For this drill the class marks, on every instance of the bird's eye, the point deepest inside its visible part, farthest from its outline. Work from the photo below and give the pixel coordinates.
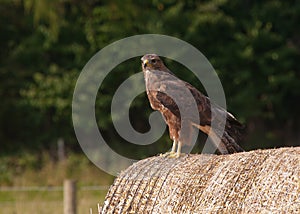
(153, 61)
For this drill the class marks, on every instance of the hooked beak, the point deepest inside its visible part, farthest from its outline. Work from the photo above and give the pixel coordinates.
(145, 63)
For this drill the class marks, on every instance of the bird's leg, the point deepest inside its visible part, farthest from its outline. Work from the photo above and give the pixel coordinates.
(179, 149)
(176, 154)
(173, 151)
(174, 146)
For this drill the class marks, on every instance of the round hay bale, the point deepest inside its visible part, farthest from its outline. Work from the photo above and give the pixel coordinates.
(258, 181)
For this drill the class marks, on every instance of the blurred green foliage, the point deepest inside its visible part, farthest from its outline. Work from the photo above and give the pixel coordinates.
(253, 45)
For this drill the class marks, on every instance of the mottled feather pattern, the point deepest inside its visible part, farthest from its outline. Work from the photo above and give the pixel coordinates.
(162, 84)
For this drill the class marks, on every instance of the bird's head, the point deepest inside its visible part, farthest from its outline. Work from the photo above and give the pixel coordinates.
(152, 62)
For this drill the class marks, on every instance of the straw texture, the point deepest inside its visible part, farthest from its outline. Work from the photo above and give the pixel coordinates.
(261, 181)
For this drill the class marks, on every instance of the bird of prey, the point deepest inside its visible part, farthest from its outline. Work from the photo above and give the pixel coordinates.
(163, 88)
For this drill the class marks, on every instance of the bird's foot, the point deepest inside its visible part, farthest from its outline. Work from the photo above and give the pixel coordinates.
(167, 154)
(171, 155)
(174, 155)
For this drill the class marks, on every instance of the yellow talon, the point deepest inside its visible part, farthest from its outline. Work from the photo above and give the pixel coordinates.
(170, 155)
(167, 154)
(174, 155)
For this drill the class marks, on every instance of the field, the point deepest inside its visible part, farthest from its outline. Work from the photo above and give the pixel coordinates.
(47, 202)
(28, 187)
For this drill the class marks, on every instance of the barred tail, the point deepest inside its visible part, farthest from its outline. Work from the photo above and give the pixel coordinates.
(230, 144)
(225, 145)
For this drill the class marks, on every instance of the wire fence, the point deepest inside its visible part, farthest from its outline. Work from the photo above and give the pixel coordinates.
(48, 199)
(49, 188)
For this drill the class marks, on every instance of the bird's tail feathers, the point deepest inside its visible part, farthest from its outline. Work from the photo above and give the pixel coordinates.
(225, 145)
(230, 144)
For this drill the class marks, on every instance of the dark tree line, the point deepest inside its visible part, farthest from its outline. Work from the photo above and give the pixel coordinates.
(253, 45)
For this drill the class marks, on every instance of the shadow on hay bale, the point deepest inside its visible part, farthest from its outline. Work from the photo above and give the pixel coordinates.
(249, 182)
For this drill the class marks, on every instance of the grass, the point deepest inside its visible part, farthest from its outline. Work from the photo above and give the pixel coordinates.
(47, 202)
(39, 170)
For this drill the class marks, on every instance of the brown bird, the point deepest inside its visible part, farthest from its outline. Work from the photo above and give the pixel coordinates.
(171, 95)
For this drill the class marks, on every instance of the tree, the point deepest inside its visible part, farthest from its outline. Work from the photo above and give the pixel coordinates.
(254, 47)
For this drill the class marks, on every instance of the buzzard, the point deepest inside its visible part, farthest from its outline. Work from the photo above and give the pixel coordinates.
(163, 88)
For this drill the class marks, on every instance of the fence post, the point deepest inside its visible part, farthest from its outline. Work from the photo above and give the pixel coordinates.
(61, 150)
(69, 197)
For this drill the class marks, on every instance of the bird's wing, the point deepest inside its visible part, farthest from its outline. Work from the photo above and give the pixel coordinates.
(174, 95)
(226, 126)
(205, 107)
(168, 103)
(174, 91)
(226, 131)
(167, 87)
